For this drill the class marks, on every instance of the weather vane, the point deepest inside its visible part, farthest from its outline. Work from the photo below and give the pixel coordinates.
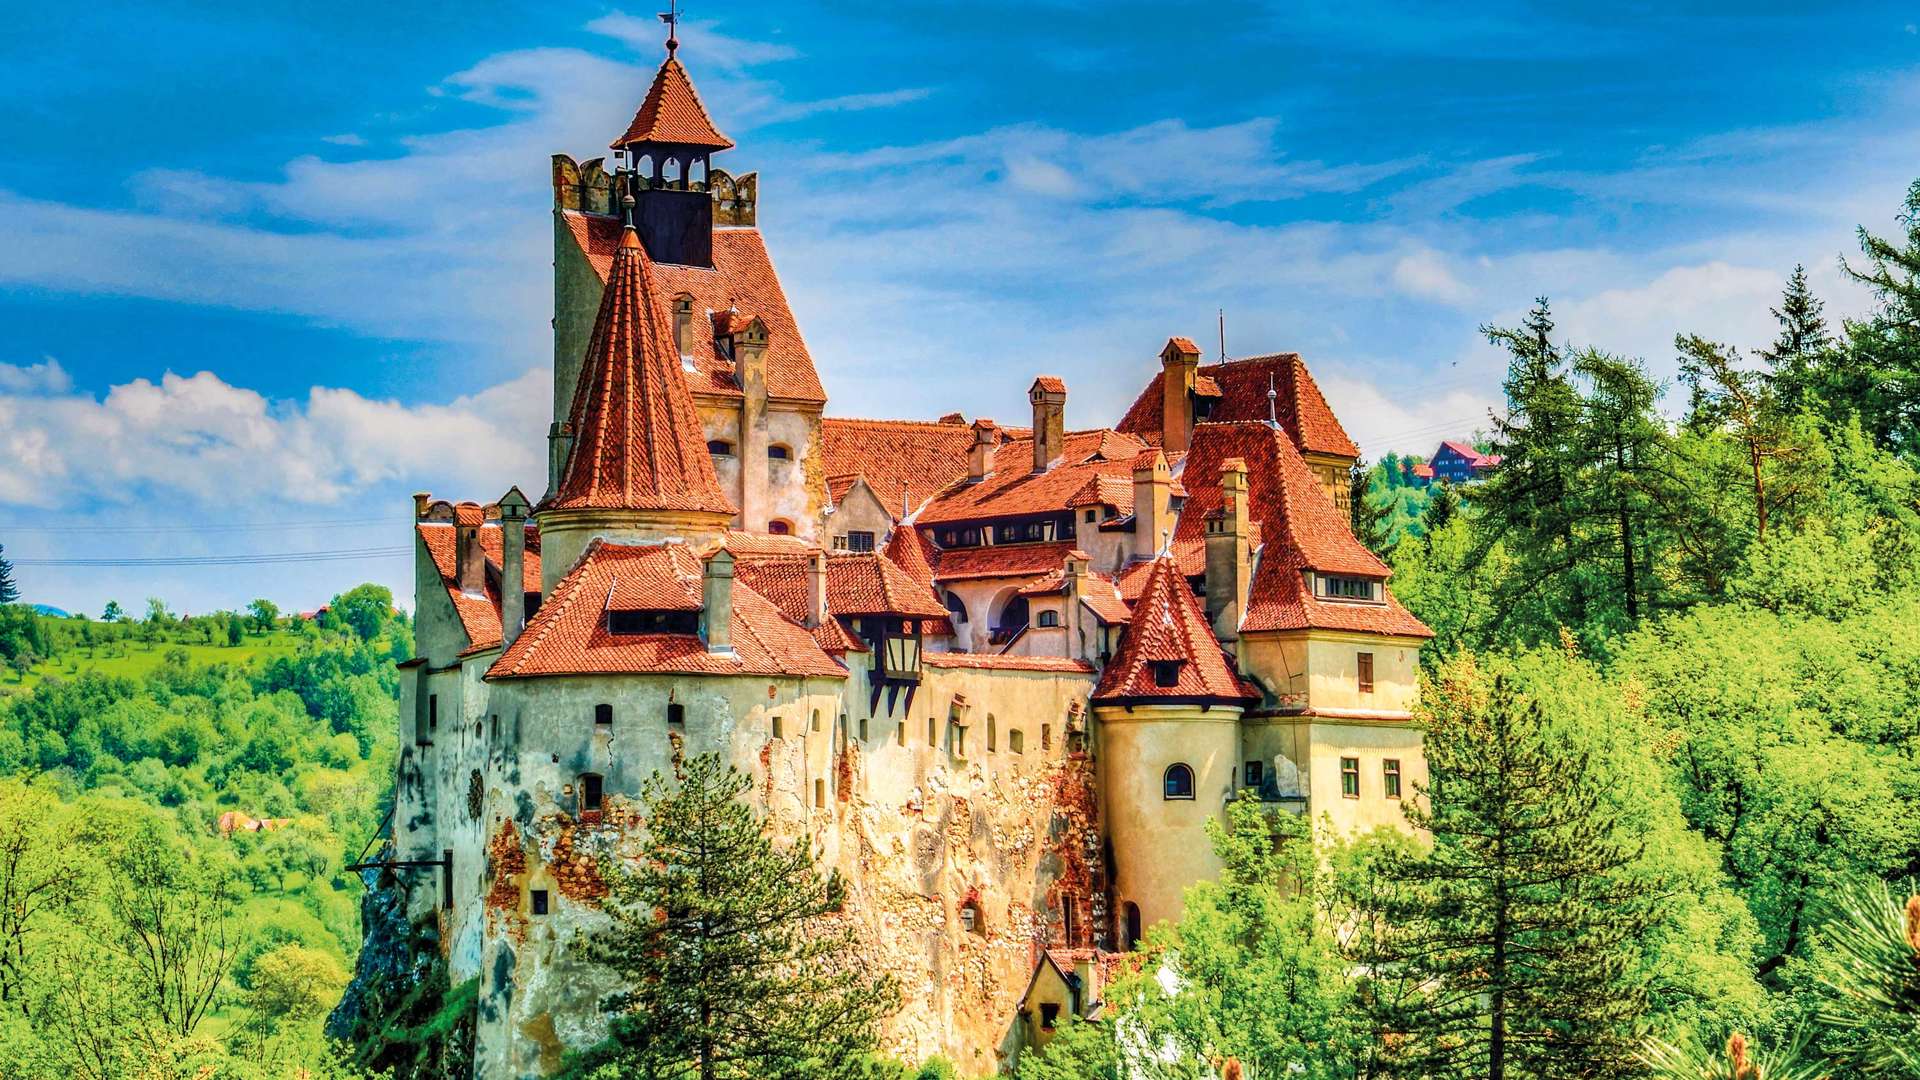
(671, 17)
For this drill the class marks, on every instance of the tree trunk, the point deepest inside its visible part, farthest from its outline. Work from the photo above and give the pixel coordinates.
(1626, 534)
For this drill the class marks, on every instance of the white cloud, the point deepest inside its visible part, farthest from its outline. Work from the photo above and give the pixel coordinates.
(346, 138)
(28, 380)
(1424, 274)
(206, 441)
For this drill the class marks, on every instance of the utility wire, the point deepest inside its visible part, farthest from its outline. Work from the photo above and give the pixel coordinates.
(239, 526)
(261, 559)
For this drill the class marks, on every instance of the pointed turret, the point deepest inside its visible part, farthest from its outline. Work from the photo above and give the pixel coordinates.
(1170, 653)
(672, 113)
(638, 444)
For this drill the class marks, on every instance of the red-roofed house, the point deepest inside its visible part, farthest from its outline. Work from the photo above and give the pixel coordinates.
(1458, 462)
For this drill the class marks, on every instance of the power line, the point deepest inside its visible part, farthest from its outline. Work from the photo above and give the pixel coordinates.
(239, 526)
(260, 559)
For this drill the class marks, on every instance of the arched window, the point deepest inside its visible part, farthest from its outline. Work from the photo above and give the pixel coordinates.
(1179, 781)
(603, 715)
(777, 452)
(956, 608)
(1049, 618)
(779, 528)
(719, 447)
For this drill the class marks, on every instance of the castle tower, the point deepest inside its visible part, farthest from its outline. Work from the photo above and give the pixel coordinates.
(639, 468)
(667, 157)
(1169, 710)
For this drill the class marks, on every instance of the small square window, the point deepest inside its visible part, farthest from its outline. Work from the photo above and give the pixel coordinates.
(1391, 770)
(1254, 774)
(1350, 777)
(1091, 515)
(1049, 1016)
(539, 901)
(603, 715)
(859, 541)
(1166, 672)
(676, 715)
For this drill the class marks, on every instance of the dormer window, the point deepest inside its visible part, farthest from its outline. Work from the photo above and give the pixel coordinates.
(653, 622)
(1346, 588)
(1166, 672)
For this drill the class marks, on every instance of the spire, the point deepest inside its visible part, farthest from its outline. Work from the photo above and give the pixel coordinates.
(1273, 398)
(1170, 650)
(672, 112)
(638, 443)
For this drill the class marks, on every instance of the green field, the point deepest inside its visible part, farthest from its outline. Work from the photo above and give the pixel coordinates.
(137, 659)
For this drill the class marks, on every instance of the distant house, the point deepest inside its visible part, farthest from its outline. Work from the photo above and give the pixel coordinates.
(1458, 463)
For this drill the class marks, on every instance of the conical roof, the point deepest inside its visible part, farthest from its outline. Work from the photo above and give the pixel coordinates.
(1169, 627)
(672, 113)
(638, 444)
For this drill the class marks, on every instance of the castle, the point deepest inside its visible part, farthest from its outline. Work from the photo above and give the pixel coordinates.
(999, 676)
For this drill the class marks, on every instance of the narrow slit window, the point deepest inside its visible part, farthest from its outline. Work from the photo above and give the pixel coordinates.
(592, 791)
(446, 879)
(539, 901)
(1366, 672)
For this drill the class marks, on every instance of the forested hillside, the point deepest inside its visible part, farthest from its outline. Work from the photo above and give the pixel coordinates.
(177, 801)
(1673, 717)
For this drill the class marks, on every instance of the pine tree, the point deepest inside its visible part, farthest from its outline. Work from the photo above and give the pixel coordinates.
(1882, 384)
(1369, 522)
(9, 592)
(1517, 921)
(1441, 509)
(734, 960)
(1798, 356)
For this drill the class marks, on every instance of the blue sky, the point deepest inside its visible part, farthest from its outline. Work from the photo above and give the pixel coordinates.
(265, 271)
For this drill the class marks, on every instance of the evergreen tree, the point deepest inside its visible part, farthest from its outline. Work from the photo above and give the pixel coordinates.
(9, 592)
(1369, 521)
(734, 960)
(1518, 920)
(1799, 354)
(1440, 510)
(1881, 382)
(1618, 447)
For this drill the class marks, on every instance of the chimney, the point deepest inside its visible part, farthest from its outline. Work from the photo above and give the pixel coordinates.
(513, 562)
(1086, 972)
(559, 449)
(986, 436)
(1075, 579)
(1152, 499)
(1228, 552)
(750, 368)
(716, 602)
(421, 500)
(683, 325)
(469, 560)
(1049, 397)
(817, 589)
(1179, 365)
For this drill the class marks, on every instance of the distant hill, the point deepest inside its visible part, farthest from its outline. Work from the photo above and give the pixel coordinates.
(50, 610)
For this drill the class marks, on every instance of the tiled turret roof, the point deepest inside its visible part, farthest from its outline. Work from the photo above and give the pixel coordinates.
(1241, 386)
(672, 113)
(1169, 627)
(638, 443)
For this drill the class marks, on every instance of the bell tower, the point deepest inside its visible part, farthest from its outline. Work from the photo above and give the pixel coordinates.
(665, 164)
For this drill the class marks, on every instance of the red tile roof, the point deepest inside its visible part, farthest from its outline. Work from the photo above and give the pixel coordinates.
(1465, 450)
(858, 583)
(1106, 489)
(1242, 389)
(1014, 489)
(1099, 594)
(638, 443)
(672, 113)
(1185, 345)
(1282, 496)
(1000, 560)
(908, 551)
(1280, 601)
(1424, 472)
(479, 615)
(1052, 384)
(569, 635)
(1168, 625)
(742, 276)
(922, 458)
